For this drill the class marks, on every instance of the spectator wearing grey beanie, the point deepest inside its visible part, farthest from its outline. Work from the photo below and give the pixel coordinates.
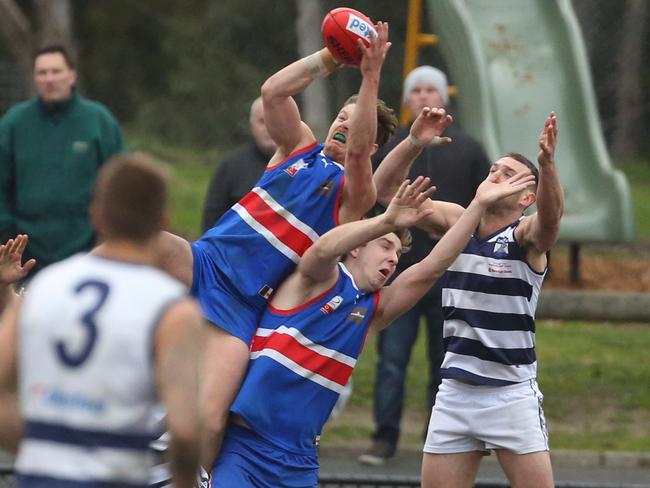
(456, 169)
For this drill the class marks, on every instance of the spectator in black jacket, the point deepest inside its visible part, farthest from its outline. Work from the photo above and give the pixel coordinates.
(239, 170)
(456, 169)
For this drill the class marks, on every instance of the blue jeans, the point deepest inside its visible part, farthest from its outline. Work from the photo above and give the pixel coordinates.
(394, 347)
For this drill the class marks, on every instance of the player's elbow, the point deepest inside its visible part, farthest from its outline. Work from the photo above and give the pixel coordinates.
(270, 90)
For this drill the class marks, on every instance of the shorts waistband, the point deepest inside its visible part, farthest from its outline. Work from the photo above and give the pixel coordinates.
(470, 386)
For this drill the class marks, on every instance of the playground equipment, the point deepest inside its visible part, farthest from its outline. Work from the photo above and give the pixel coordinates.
(513, 62)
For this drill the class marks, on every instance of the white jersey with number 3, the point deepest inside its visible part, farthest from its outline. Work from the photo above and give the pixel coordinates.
(86, 376)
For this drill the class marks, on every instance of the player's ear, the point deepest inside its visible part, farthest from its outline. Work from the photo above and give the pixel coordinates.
(375, 148)
(528, 198)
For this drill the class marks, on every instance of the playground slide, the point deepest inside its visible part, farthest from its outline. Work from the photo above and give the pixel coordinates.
(513, 62)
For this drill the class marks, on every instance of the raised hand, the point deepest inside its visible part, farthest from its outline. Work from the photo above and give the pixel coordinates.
(406, 208)
(492, 190)
(374, 55)
(11, 255)
(429, 126)
(548, 141)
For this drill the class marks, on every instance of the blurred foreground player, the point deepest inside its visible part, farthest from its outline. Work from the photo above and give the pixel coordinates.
(101, 339)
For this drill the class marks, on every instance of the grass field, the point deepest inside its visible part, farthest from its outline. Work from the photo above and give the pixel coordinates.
(595, 376)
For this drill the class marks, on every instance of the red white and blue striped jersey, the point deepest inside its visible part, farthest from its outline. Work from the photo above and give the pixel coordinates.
(300, 361)
(489, 299)
(259, 241)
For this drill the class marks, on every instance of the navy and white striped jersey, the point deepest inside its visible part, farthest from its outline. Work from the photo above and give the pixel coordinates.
(489, 300)
(86, 376)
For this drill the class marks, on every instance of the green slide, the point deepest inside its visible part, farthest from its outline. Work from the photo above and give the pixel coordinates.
(514, 61)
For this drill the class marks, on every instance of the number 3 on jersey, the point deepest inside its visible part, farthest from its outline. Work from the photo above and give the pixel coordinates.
(73, 358)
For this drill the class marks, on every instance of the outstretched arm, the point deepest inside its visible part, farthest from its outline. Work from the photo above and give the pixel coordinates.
(539, 232)
(319, 263)
(413, 283)
(426, 130)
(281, 113)
(177, 349)
(359, 193)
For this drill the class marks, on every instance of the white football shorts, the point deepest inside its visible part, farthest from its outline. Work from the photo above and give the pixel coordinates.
(469, 418)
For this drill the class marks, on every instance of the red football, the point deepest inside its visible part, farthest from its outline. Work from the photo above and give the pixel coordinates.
(341, 28)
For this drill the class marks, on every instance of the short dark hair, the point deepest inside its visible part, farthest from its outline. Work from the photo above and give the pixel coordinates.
(386, 120)
(55, 48)
(131, 195)
(526, 162)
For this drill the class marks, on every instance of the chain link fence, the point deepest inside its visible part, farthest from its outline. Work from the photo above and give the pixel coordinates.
(12, 86)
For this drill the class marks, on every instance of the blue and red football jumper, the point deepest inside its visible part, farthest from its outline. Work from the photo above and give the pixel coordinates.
(300, 361)
(258, 242)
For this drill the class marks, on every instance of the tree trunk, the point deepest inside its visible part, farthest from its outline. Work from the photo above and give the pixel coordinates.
(17, 31)
(315, 100)
(54, 22)
(629, 93)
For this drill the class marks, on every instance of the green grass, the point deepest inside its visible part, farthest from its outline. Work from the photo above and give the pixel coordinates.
(191, 173)
(595, 378)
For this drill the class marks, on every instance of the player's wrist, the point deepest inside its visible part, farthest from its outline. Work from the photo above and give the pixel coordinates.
(435, 141)
(320, 64)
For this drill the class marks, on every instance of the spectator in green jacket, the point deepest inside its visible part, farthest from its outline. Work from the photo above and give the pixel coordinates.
(51, 148)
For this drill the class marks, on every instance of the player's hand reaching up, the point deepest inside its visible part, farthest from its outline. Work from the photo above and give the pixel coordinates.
(11, 255)
(406, 208)
(428, 127)
(373, 56)
(548, 141)
(492, 189)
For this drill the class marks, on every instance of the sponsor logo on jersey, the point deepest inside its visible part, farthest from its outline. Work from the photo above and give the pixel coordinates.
(295, 167)
(358, 314)
(65, 400)
(332, 305)
(499, 268)
(360, 27)
(501, 247)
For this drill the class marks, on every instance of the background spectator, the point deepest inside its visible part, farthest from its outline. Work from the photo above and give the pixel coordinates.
(239, 170)
(50, 150)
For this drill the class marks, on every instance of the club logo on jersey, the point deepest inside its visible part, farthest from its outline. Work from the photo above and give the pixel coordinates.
(360, 27)
(295, 167)
(358, 315)
(326, 188)
(266, 291)
(332, 305)
(501, 247)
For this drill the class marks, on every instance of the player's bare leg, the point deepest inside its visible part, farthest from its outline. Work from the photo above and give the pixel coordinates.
(450, 470)
(532, 470)
(223, 367)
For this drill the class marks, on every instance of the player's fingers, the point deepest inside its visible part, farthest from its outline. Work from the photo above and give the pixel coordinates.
(21, 243)
(27, 267)
(426, 194)
(402, 188)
